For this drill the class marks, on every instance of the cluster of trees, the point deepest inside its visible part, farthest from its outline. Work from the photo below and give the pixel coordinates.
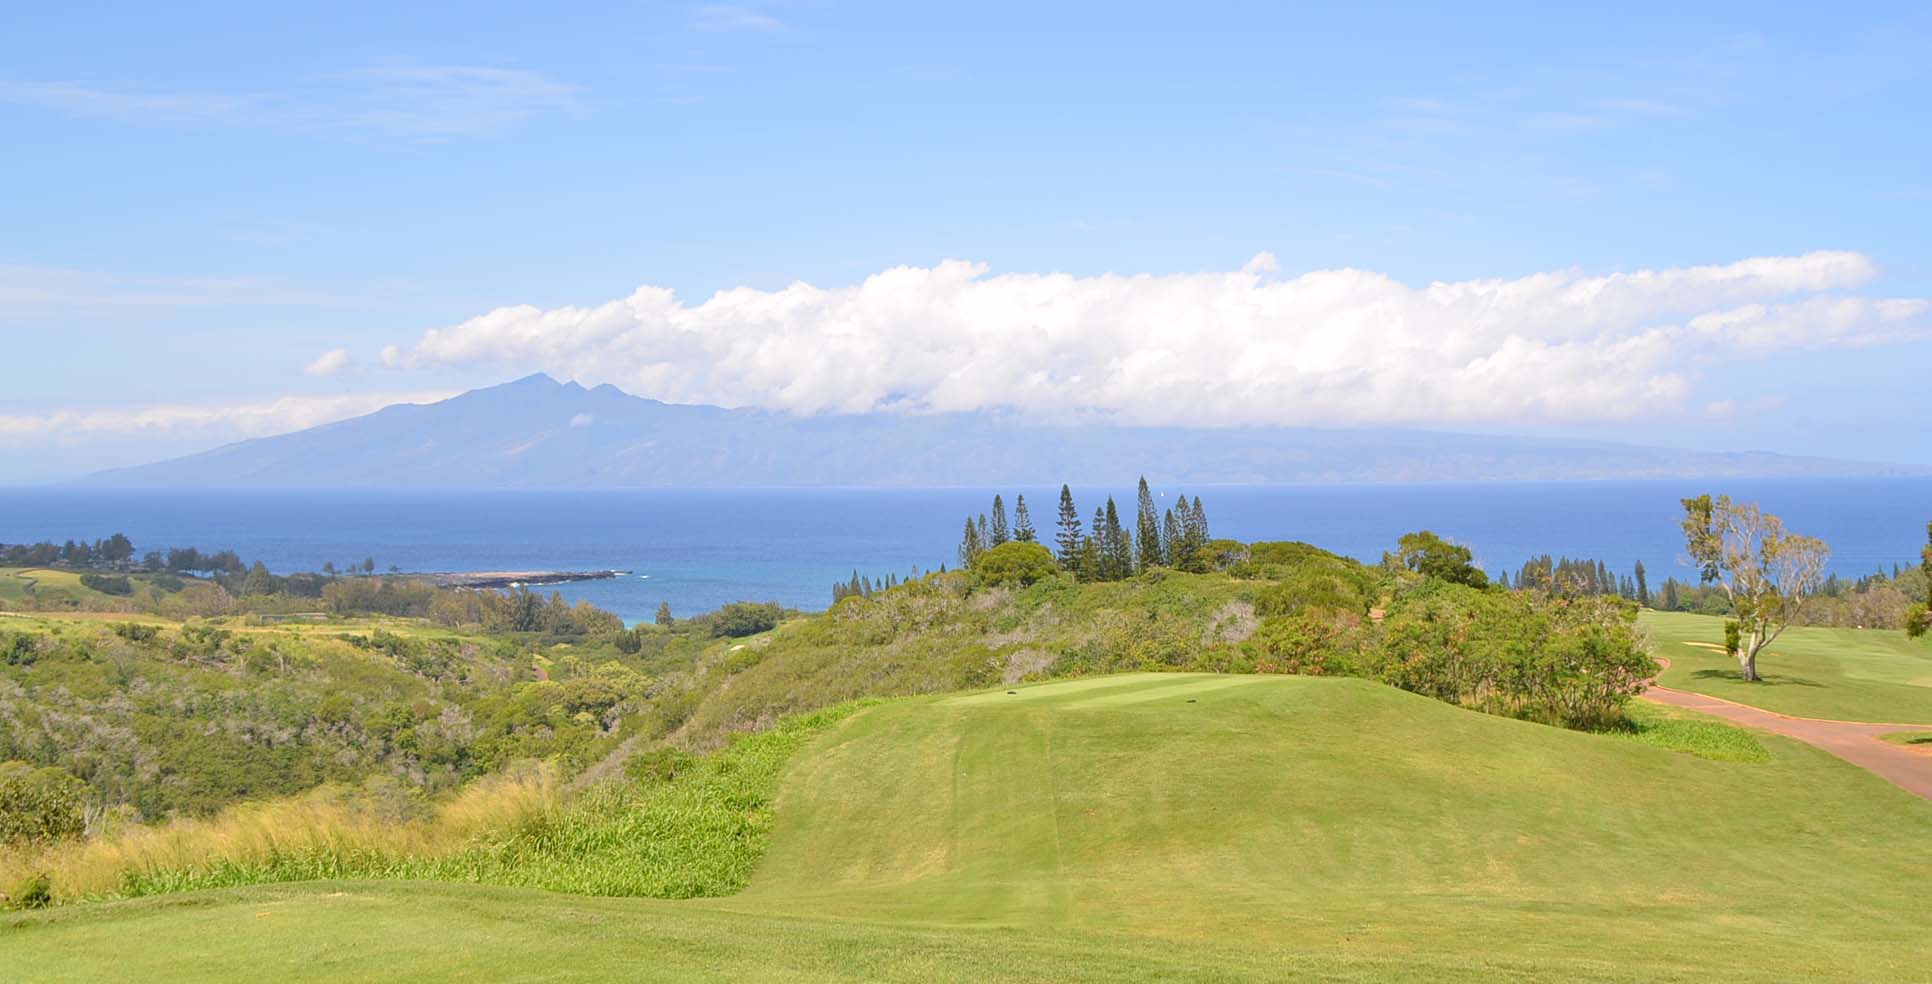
(1581, 577)
(863, 585)
(116, 550)
(1108, 550)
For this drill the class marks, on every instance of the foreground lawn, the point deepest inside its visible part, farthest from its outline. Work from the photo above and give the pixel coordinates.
(1845, 674)
(1159, 827)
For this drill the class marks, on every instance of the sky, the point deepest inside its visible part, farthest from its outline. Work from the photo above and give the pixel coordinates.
(1687, 225)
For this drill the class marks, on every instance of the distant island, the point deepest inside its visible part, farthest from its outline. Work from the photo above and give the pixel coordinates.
(537, 432)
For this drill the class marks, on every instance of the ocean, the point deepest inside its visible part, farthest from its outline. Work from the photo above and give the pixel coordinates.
(698, 549)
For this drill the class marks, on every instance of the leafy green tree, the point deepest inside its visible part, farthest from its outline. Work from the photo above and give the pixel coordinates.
(664, 613)
(40, 805)
(1015, 563)
(743, 618)
(999, 533)
(1766, 572)
(1432, 556)
(1147, 529)
(1068, 538)
(1022, 522)
(259, 581)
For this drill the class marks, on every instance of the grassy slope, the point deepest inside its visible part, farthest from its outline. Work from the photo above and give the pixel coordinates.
(1111, 828)
(1847, 674)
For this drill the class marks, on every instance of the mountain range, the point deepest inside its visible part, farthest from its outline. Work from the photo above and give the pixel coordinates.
(537, 432)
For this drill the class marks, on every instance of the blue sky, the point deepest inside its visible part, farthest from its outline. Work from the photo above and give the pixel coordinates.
(219, 217)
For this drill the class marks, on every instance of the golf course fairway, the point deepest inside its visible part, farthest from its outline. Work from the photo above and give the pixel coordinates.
(1158, 827)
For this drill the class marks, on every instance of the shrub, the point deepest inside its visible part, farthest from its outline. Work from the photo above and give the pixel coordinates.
(115, 584)
(35, 892)
(39, 805)
(743, 618)
(1015, 563)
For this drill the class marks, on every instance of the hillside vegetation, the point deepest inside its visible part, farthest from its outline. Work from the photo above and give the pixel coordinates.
(1163, 827)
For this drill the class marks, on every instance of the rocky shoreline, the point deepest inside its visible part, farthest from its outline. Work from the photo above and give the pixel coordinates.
(511, 579)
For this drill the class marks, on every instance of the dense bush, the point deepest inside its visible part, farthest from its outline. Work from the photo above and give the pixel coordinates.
(40, 805)
(1573, 662)
(743, 618)
(111, 584)
(1014, 563)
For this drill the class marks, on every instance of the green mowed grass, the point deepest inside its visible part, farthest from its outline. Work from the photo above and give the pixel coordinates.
(1161, 827)
(1843, 674)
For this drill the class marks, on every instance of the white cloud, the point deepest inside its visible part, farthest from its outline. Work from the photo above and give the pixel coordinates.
(1338, 347)
(328, 363)
(209, 422)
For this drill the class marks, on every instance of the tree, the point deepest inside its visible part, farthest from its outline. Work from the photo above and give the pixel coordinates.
(1147, 529)
(1432, 556)
(368, 565)
(1918, 618)
(328, 567)
(664, 613)
(1022, 522)
(1765, 571)
(1000, 533)
(1015, 563)
(970, 545)
(1670, 594)
(1173, 543)
(259, 581)
(1643, 586)
(1068, 537)
(40, 805)
(1120, 547)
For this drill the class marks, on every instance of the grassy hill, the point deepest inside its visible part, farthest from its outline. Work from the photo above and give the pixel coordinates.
(1172, 826)
(1845, 674)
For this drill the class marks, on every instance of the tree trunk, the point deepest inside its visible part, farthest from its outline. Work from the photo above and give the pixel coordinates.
(1747, 661)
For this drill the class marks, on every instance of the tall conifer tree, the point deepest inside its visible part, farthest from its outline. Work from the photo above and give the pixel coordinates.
(1120, 545)
(1643, 586)
(1068, 538)
(1103, 546)
(999, 532)
(1173, 543)
(1022, 522)
(1147, 529)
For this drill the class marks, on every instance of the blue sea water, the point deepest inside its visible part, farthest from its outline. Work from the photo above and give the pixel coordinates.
(698, 549)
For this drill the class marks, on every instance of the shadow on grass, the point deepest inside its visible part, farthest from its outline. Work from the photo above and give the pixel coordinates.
(1910, 738)
(1763, 681)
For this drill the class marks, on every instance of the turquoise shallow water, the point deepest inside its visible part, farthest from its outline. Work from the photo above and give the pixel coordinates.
(698, 549)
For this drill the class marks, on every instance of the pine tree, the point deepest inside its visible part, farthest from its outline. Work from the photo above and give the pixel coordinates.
(1147, 529)
(1604, 584)
(999, 533)
(969, 548)
(1503, 580)
(1103, 548)
(985, 534)
(1173, 543)
(1068, 538)
(1643, 586)
(1670, 594)
(664, 613)
(1120, 544)
(1022, 523)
